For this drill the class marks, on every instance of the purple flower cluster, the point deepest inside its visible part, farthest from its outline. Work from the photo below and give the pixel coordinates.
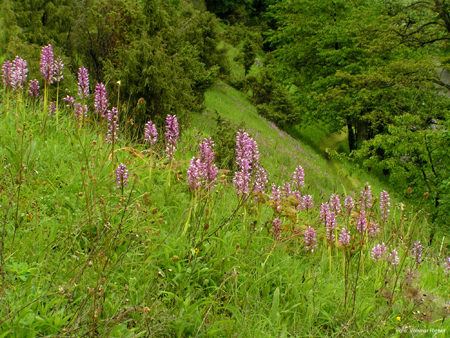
(417, 252)
(100, 99)
(260, 179)
(195, 173)
(393, 257)
(52, 109)
(202, 171)
(330, 235)
(348, 204)
(324, 211)
(59, 67)
(299, 198)
(7, 71)
(310, 239)
(80, 111)
(121, 176)
(276, 228)
(330, 224)
(378, 252)
(373, 229)
(241, 182)
(151, 134)
(250, 176)
(83, 83)
(172, 134)
(361, 223)
(276, 197)
(329, 218)
(48, 64)
(113, 125)
(307, 202)
(344, 237)
(298, 177)
(33, 88)
(19, 73)
(70, 100)
(51, 69)
(384, 205)
(286, 189)
(206, 154)
(335, 204)
(366, 197)
(447, 265)
(247, 152)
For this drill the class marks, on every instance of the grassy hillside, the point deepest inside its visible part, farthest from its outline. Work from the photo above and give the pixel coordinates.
(304, 145)
(280, 152)
(91, 248)
(83, 258)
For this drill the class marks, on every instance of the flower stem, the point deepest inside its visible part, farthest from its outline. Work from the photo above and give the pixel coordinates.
(57, 102)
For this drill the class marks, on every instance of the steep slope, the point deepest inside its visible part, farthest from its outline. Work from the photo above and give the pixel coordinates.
(281, 153)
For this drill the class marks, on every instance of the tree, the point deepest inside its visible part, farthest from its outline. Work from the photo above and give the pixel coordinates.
(247, 56)
(422, 23)
(107, 25)
(176, 56)
(272, 100)
(7, 25)
(226, 7)
(348, 65)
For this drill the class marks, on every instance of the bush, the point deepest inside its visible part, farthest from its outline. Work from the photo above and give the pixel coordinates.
(177, 59)
(272, 100)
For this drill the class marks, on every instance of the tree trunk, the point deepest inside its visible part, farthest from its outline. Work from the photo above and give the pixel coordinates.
(433, 218)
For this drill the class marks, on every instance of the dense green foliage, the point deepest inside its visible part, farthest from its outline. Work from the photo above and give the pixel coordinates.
(371, 67)
(272, 100)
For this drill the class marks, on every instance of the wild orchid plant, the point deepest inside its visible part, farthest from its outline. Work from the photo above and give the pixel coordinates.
(151, 137)
(51, 70)
(101, 105)
(48, 72)
(384, 208)
(172, 134)
(18, 73)
(251, 178)
(100, 100)
(202, 174)
(121, 177)
(83, 93)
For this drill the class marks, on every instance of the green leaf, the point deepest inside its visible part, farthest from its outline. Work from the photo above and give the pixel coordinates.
(275, 305)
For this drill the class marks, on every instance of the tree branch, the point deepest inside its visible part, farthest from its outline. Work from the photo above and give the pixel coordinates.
(442, 84)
